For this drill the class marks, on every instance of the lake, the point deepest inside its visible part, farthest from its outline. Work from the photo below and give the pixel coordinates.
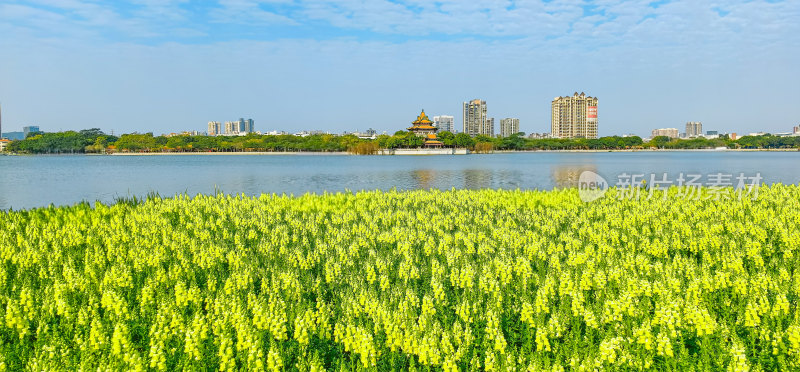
(36, 181)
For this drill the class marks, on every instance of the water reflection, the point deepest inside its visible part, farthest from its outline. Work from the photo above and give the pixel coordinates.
(477, 178)
(27, 182)
(423, 178)
(567, 175)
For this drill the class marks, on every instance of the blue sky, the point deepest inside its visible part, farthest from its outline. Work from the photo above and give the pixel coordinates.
(165, 66)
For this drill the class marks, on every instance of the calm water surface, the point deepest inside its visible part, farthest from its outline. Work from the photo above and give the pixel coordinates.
(35, 181)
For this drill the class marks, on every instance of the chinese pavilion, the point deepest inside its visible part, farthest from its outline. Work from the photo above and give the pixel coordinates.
(423, 127)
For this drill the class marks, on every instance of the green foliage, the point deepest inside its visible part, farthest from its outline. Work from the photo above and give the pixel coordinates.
(526, 280)
(447, 138)
(463, 140)
(94, 140)
(60, 142)
(768, 141)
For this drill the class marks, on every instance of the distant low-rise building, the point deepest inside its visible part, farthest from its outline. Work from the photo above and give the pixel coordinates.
(367, 134)
(185, 134)
(796, 130)
(14, 136)
(509, 126)
(539, 135)
(3, 144)
(669, 132)
(276, 133)
(307, 133)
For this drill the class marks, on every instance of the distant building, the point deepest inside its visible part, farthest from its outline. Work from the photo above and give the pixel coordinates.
(669, 132)
(734, 136)
(240, 127)
(368, 134)
(184, 134)
(490, 127)
(539, 135)
(475, 121)
(214, 128)
(694, 129)
(14, 136)
(245, 126)
(307, 133)
(444, 123)
(231, 128)
(712, 133)
(574, 117)
(3, 144)
(30, 129)
(796, 130)
(509, 126)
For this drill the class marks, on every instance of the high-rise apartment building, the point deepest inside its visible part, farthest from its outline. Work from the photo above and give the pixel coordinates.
(444, 123)
(245, 126)
(669, 132)
(574, 117)
(238, 128)
(489, 128)
(509, 126)
(694, 129)
(231, 128)
(475, 120)
(214, 128)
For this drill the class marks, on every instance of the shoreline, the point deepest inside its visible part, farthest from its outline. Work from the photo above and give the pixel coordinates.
(309, 153)
(344, 153)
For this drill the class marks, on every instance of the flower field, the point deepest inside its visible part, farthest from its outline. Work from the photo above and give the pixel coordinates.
(453, 280)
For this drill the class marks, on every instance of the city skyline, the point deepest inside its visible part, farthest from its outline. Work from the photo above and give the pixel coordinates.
(170, 66)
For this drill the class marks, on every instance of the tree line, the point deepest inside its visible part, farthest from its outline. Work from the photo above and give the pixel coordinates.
(95, 141)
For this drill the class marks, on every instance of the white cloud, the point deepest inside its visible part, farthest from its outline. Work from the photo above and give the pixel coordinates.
(249, 12)
(516, 54)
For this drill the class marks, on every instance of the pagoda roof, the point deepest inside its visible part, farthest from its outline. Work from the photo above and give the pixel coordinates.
(422, 119)
(422, 127)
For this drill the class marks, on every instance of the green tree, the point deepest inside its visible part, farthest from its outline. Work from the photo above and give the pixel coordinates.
(463, 140)
(659, 141)
(447, 138)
